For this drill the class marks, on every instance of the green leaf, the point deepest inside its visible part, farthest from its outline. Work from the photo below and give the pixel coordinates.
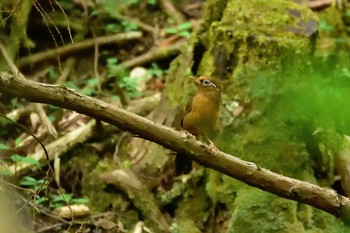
(56, 204)
(112, 27)
(52, 72)
(16, 158)
(170, 21)
(152, 2)
(28, 160)
(62, 197)
(40, 200)
(185, 26)
(15, 103)
(158, 73)
(185, 34)
(3, 147)
(325, 26)
(129, 26)
(112, 61)
(5, 173)
(52, 118)
(170, 30)
(30, 181)
(94, 13)
(18, 141)
(88, 91)
(79, 200)
(72, 85)
(92, 82)
(115, 97)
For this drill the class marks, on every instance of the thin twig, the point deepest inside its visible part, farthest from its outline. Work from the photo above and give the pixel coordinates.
(140, 24)
(171, 11)
(45, 120)
(152, 55)
(51, 54)
(97, 74)
(39, 108)
(9, 61)
(11, 13)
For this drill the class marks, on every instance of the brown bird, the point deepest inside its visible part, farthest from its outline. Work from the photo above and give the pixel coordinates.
(200, 116)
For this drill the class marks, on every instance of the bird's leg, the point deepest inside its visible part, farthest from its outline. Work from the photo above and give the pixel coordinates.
(212, 146)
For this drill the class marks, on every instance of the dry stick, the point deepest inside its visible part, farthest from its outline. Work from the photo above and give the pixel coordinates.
(319, 5)
(39, 108)
(150, 56)
(140, 24)
(247, 172)
(57, 147)
(96, 55)
(133, 186)
(79, 135)
(51, 54)
(45, 120)
(171, 11)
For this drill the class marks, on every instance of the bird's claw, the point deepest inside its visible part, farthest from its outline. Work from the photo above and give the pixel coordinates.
(212, 147)
(189, 135)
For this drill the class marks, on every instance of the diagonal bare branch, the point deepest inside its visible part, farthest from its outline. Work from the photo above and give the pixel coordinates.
(247, 172)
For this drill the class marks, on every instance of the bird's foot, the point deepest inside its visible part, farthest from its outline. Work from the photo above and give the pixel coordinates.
(189, 135)
(212, 147)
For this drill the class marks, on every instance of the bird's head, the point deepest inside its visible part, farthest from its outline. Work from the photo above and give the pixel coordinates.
(204, 83)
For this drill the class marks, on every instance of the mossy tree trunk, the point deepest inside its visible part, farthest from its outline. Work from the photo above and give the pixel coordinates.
(260, 49)
(13, 28)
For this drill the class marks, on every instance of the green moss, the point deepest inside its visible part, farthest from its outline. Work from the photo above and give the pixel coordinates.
(258, 211)
(324, 222)
(221, 188)
(185, 226)
(194, 207)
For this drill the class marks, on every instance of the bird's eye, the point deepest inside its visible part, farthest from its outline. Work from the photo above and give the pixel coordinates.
(206, 82)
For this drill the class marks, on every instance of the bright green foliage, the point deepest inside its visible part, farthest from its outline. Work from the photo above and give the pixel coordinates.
(114, 70)
(18, 158)
(72, 85)
(37, 186)
(181, 30)
(325, 26)
(91, 86)
(155, 71)
(152, 2)
(15, 103)
(64, 199)
(52, 73)
(54, 201)
(129, 26)
(3, 147)
(18, 141)
(32, 183)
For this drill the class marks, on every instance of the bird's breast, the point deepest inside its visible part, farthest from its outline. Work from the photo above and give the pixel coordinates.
(204, 113)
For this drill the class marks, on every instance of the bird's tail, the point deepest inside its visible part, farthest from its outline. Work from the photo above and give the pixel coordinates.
(183, 164)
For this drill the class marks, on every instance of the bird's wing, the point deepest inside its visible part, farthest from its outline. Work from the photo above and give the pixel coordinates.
(187, 110)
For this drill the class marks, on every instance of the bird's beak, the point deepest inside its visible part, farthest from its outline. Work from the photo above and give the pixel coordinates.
(195, 80)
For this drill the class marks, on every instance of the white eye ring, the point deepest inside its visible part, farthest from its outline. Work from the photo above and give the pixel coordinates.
(207, 82)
